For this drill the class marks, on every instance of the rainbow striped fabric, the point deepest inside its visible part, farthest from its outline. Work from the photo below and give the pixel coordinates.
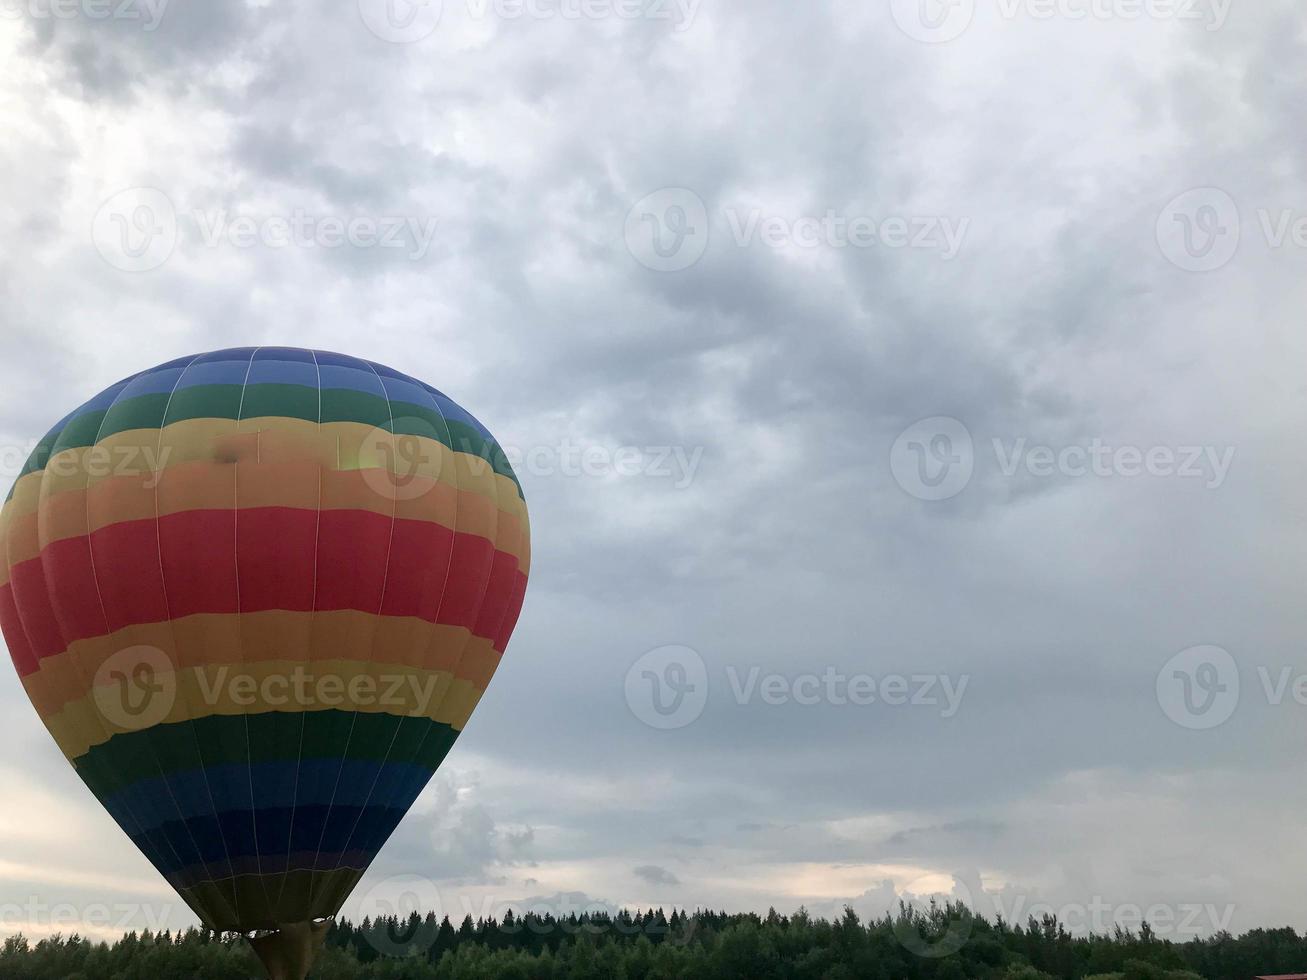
(255, 596)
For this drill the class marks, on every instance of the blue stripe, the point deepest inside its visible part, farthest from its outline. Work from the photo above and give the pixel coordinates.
(215, 373)
(398, 390)
(319, 829)
(154, 382)
(284, 373)
(310, 782)
(353, 378)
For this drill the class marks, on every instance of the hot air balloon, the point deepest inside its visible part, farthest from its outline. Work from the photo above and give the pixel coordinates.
(255, 596)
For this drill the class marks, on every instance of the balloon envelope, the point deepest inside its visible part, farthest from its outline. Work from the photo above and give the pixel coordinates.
(255, 596)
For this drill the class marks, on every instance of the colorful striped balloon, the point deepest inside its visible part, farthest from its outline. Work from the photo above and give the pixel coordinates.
(255, 596)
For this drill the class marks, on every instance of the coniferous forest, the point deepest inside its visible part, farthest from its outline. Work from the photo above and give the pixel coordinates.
(942, 943)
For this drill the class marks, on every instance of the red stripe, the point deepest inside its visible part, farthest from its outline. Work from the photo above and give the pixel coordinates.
(76, 578)
(195, 585)
(499, 590)
(276, 553)
(20, 650)
(425, 550)
(352, 550)
(464, 592)
(32, 600)
(251, 560)
(128, 572)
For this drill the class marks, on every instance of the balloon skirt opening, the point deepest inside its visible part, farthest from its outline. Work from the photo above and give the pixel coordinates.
(289, 952)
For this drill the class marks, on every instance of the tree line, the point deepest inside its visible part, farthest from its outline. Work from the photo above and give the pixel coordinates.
(942, 942)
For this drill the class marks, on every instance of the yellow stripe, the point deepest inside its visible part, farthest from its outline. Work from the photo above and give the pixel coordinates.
(233, 690)
(196, 647)
(140, 454)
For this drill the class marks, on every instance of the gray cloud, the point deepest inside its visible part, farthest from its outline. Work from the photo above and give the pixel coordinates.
(793, 549)
(654, 875)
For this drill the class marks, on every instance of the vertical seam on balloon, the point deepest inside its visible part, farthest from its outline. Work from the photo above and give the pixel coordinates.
(317, 536)
(158, 533)
(95, 578)
(381, 604)
(449, 564)
(240, 627)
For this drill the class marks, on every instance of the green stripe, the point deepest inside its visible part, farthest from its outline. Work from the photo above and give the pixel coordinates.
(269, 400)
(204, 402)
(224, 740)
(142, 412)
(287, 401)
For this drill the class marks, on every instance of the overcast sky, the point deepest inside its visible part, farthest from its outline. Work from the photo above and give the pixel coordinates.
(901, 392)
